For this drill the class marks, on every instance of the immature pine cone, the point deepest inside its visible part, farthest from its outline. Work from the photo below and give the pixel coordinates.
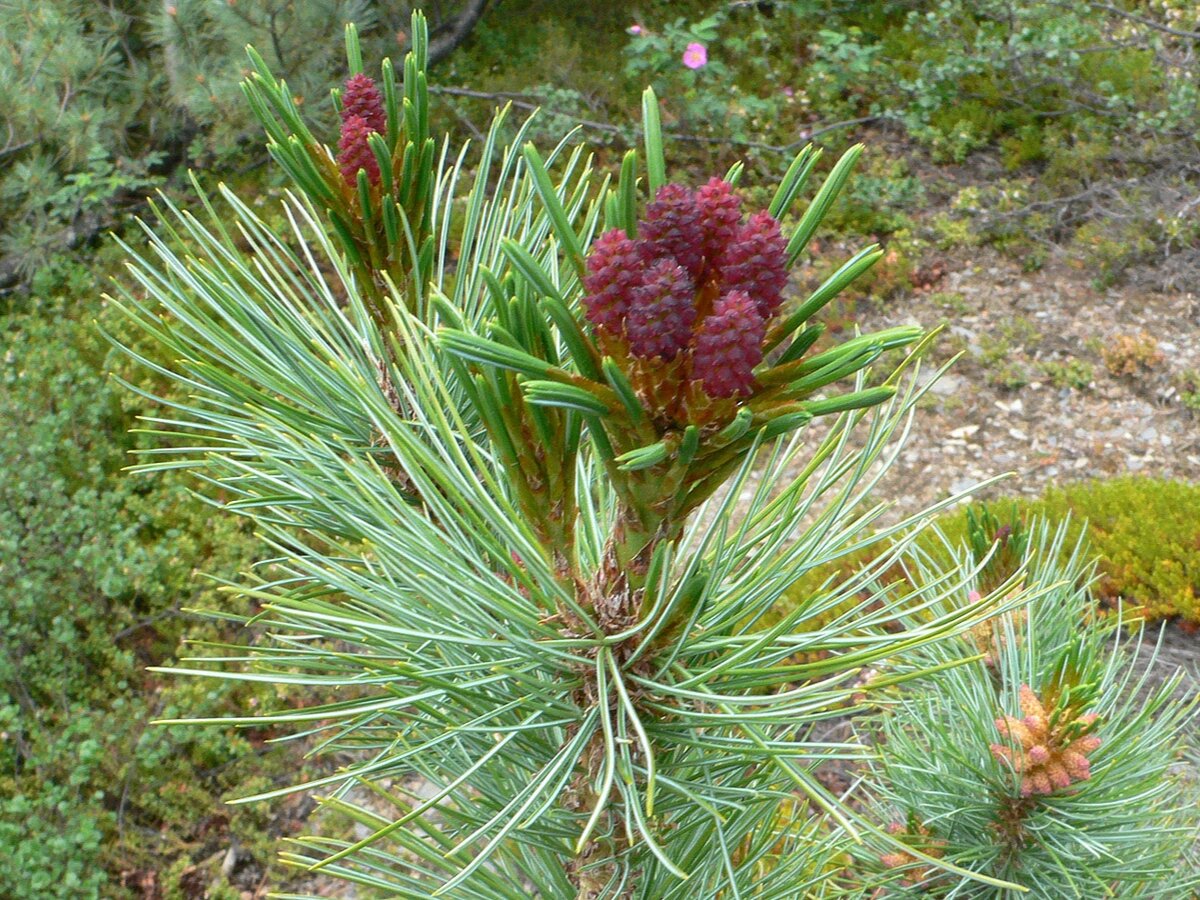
(615, 269)
(659, 321)
(1046, 760)
(721, 214)
(354, 152)
(899, 859)
(672, 228)
(729, 346)
(756, 262)
(361, 98)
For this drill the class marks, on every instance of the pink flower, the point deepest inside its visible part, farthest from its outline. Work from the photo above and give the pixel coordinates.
(695, 56)
(634, 29)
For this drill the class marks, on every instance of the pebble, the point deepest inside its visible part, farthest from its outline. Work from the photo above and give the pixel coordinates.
(946, 385)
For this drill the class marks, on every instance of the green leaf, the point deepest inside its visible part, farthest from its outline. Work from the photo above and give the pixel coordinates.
(580, 348)
(832, 286)
(643, 457)
(736, 428)
(565, 396)
(478, 349)
(820, 205)
(835, 370)
(624, 390)
(787, 422)
(364, 205)
(689, 445)
(802, 343)
(523, 261)
(346, 238)
(353, 50)
(391, 104)
(559, 220)
(656, 165)
(627, 195)
(847, 402)
(383, 157)
(794, 181)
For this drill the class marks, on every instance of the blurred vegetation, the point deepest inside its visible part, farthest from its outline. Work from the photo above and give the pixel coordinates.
(1076, 121)
(1021, 124)
(101, 102)
(96, 567)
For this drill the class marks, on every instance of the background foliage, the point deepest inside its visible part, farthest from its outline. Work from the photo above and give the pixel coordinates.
(1145, 531)
(97, 568)
(1088, 109)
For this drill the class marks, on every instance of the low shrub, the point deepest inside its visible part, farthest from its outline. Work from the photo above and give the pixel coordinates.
(1127, 354)
(96, 569)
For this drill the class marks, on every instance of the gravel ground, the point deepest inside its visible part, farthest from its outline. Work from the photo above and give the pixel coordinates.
(976, 423)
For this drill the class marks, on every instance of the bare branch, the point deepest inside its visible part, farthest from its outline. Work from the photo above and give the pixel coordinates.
(466, 20)
(518, 100)
(1149, 23)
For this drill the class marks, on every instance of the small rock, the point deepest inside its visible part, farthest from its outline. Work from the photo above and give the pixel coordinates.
(966, 334)
(946, 385)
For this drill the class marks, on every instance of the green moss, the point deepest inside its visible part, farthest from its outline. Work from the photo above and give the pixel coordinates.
(1145, 533)
(1026, 145)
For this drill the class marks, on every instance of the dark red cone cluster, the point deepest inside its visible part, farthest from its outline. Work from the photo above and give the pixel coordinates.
(663, 308)
(673, 228)
(729, 346)
(696, 283)
(754, 262)
(721, 210)
(614, 273)
(354, 151)
(360, 97)
(362, 115)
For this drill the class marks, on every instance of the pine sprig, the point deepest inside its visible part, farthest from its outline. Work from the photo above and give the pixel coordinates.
(1122, 825)
(518, 580)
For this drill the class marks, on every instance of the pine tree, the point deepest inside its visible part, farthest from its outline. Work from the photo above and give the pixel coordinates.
(533, 495)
